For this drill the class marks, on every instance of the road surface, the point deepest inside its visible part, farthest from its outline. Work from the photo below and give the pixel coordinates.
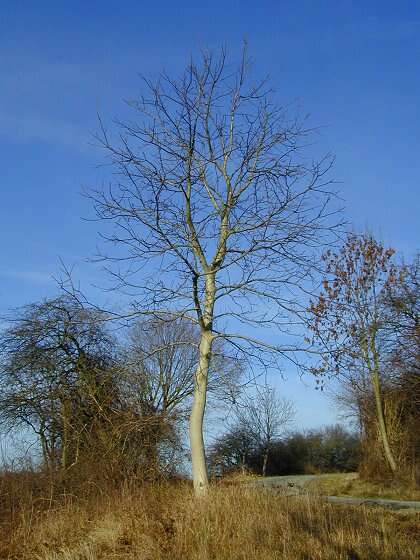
(298, 484)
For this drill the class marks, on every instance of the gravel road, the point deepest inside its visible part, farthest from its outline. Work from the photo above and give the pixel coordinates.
(297, 485)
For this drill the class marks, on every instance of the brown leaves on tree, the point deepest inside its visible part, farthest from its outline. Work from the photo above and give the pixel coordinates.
(346, 312)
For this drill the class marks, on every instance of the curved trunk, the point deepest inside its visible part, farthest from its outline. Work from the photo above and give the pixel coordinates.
(373, 366)
(198, 456)
(381, 422)
(376, 382)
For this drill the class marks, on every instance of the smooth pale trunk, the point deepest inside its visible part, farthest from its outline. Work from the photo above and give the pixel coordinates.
(198, 456)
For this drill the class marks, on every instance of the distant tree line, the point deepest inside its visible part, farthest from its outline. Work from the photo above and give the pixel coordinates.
(330, 449)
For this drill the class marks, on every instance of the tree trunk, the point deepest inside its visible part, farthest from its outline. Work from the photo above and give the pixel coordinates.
(376, 382)
(198, 456)
(265, 461)
(45, 452)
(65, 435)
(381, 422)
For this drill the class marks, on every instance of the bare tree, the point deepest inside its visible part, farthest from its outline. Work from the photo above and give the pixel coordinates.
(63, 377)
(265, 416)
(160, 361)
(157, 374)
(231, 451)
(217, 216)
(56, 376)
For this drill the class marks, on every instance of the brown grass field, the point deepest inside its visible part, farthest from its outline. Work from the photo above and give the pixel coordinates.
(165, 521)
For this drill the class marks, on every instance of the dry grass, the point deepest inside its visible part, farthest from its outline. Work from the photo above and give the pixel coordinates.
(343, 484)
(166, 522)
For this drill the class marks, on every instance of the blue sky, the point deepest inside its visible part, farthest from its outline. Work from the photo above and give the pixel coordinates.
(354, 66)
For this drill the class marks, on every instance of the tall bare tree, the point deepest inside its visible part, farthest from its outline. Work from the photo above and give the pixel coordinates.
(217, 215)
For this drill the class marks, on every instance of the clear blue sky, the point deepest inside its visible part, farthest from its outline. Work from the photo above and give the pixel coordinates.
(354, 66)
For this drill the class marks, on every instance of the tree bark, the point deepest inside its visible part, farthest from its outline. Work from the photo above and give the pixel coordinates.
(198, 456)
(243, 464)
(45, 452)
(65, 413)
(377, 391)
(373, 366)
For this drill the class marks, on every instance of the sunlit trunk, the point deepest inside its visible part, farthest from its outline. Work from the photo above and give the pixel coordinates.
(198, 456)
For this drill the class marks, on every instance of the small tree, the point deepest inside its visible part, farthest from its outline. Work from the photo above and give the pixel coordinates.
(160, 359)
(348, 322)
(158, 365)
(217, 215)
(264, 417)
(231, 450)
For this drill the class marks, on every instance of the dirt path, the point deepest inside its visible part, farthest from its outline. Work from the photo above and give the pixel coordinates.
(298, 484)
